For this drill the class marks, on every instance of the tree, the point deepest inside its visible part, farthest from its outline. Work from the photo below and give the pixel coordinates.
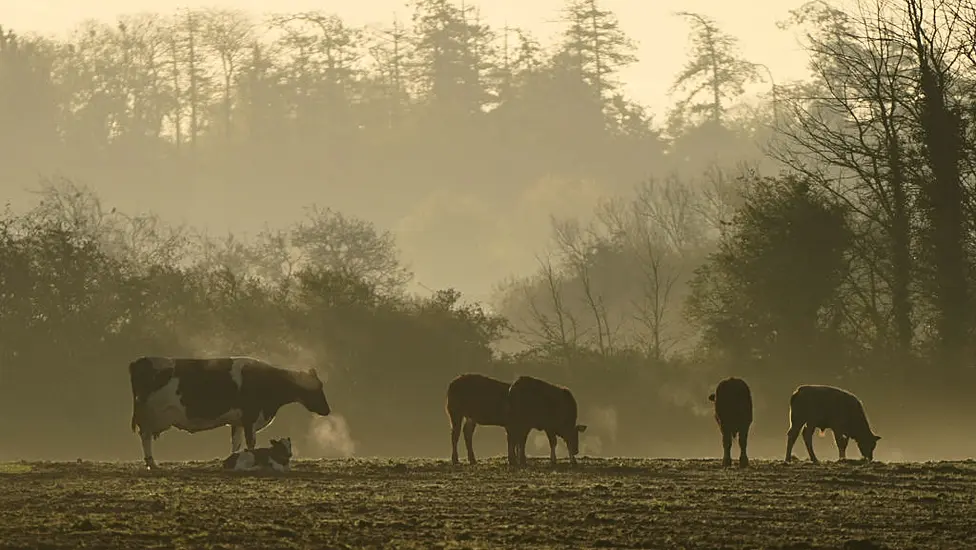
(228, 33)
(452, 58)
(854, 120)
(595, 45)
(943, 130)
(768, 297)
(714, 68)
(352, 247)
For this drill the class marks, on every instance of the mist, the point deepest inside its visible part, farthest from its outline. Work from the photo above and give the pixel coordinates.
(396, 204)
(329, 437)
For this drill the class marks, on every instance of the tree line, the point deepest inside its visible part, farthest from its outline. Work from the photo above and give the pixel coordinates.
(843, 255)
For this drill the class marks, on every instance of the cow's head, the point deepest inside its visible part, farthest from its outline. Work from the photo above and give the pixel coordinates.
(572, 438)
(313, 393)
(282, 447)
(867, 444)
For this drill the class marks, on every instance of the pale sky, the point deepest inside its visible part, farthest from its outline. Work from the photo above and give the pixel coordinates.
(660, 36)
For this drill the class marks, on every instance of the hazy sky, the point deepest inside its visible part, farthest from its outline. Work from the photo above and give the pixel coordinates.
(661, 37)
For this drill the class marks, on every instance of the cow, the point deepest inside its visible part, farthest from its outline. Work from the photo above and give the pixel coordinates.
(197, 394)
(537, 404)
(276, 457)
(822, 407)
(474, 399)
(733, 413)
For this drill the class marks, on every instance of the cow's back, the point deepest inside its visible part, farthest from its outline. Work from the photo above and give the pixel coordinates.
(541, 405)
(826, 407)
(210, 387)
(478, 397)
(733, 403)
(149, 374)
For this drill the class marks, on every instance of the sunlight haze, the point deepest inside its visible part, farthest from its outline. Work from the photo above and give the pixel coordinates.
(661, 39)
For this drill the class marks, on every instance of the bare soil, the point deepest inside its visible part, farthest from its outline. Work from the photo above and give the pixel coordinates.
(415, 503)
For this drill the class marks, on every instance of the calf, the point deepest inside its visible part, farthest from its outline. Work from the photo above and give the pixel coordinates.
(827, 407)
(475, 399)
(537, 404)
(733, 413)
(276, 457)
(202, 394)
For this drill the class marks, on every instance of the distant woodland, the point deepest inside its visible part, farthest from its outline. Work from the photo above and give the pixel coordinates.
(822, 232)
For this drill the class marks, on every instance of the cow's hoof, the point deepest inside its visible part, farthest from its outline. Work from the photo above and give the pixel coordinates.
(726, 462)
(743, 462)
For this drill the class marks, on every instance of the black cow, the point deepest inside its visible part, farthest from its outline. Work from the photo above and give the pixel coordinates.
(537, 404)
(733, 413)
(827, 407)
(474, 399)
(202, 394)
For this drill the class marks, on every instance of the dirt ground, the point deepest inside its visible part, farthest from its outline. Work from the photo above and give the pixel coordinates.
(602, 503)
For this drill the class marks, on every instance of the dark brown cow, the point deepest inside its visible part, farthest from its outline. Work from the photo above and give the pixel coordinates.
(827, 407)
(537, 404)
(475, 399)
(202, 394)
(733, 413)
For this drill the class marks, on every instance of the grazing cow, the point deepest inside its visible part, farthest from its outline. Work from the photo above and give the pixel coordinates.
(823, 407)
(202, 394)
(733, 413)
(475, 399)
(276, 457)
(537, 404)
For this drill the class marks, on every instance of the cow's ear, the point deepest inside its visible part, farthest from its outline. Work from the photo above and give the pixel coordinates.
(877, 437)
(711, 397)
(581, 428)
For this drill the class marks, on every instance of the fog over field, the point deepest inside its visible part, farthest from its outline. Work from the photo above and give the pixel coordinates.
(633, 201)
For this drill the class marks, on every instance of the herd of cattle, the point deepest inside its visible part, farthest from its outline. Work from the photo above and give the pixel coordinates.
(245, 393)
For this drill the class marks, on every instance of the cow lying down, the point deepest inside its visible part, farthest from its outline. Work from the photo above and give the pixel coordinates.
(276, 458)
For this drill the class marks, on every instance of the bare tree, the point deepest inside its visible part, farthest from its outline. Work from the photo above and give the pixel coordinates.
(553, 324)
(576, 248)
(851, 128)
(229, 34)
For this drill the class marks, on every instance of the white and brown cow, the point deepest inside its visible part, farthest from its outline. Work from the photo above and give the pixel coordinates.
(202, 394)
(275, 458)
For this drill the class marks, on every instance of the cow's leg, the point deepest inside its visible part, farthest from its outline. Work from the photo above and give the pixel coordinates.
(552, 446)
(523, 438)
(455, 436)
(726, 447)
(249, 438)
(511, 435)
(808, 441)
(791, 439)
(236, 438)
(743, 443)
(842, 441)
(147, 451)
(469, 426)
